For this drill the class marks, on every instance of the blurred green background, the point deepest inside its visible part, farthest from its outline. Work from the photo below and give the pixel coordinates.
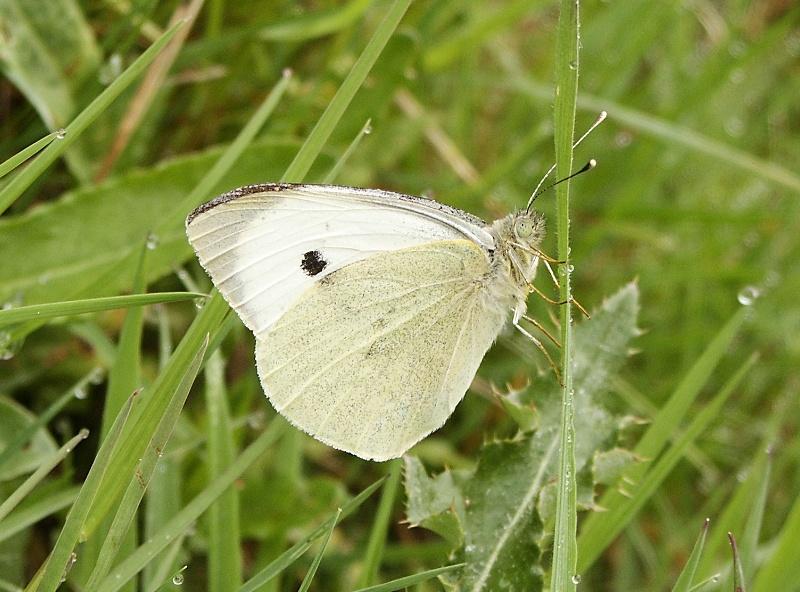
(695, 196)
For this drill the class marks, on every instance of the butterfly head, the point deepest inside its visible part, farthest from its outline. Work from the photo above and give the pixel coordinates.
(517, 240)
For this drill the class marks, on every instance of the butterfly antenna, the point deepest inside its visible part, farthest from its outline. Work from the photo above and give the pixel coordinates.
(536, 192)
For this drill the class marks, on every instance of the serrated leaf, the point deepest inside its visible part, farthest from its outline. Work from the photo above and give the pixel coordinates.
(435, 503)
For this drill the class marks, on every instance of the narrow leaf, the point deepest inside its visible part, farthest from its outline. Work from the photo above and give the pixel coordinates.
(684, 581)
(315, 564)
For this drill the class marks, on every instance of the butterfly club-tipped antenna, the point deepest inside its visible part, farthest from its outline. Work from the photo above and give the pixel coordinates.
(588, 166)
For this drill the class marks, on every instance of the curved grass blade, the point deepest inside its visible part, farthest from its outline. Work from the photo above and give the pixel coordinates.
(738, 574)
(782, 566)
(126, 511)
(406, 581)
(315, 564)
(293, 553)
(134, 563)
(337, 168)
(684, 581)
(30, 515)
(25, 179)
(49, 578)
(565, 546)
(52, 310)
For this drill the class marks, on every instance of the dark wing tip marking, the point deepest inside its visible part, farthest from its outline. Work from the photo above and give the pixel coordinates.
(237, 193)
(313, 263)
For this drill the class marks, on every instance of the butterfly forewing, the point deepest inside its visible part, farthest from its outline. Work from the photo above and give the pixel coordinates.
(265, 245)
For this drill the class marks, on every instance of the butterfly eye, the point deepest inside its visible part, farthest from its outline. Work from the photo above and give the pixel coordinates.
(523, 228)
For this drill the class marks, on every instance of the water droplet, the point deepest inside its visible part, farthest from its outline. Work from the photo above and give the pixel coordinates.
(570, 268)
(73, 557)
(61, 134)
(152, 241)
(96, 376)
(110, 70)
(177, 579)
(368, 129)
(8, 347)
(287, 73)
(737, 76)
(79, 392)
(573, 65)
(623, 139)
(734, 127)
(737, 49)
(748, 295)
(576, 579)
(199, 302)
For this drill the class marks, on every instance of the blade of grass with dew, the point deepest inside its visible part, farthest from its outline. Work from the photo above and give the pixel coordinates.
(124, 378)
(337, 168)
(224, 550)
(380, 525)
(355, 78)
(565, 547)
(10, 193)
(51, 310)
(165, 567)
(684, 581)
(26, 435)
(407, 581)
(31, 514)
(707, 585)
(782, 566)
(148, 417)
(289, 556)
(126, 511)
(622, 509)
(50, 575)
(40, 473)
(24, 154)
(177, 525)
(312, 570)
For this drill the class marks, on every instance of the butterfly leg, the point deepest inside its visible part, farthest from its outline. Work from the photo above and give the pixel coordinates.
(542, 349)
(541, 328)
(572, 299)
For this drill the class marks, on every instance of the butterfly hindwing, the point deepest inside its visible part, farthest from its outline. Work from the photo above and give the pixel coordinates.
(377, 355)
(265, 245)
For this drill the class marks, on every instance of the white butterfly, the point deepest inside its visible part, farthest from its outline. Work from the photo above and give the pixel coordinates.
(371, 310)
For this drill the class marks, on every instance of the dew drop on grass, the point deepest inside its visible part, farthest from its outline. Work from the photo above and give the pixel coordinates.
(96, 376)
(177, 579)
(152, 241)
(573, 65)
(368, 129)
(748, 295)
(287, 73)
(61, 134)
(80, 392)
(576, 579)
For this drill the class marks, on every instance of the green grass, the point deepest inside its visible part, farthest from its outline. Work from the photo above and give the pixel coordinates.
(695, 196)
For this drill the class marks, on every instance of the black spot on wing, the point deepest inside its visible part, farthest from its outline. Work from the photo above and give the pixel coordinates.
(313, 263)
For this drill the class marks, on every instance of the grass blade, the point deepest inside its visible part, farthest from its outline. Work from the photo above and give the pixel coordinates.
(52, 310)
(565, 548)
(40, 473)
(756, 518)
(173, 529)
(315, 564)
(24, 154)
(380, 525)
(152, 410)
(684, 581)
(782, 565)
(337, 168)
(623, 509)
(25, 179)
(738, 574)
(295, 551)
(126, 511)
(70, 534)
(406, 581)
(355, 78)
(19, 521)
(224, 551)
